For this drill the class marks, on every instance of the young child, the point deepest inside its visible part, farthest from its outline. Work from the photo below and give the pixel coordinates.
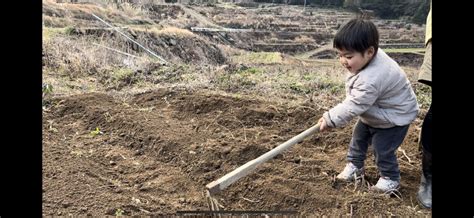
(379, 93)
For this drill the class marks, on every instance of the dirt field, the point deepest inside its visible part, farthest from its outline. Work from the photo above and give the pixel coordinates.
(137, 138)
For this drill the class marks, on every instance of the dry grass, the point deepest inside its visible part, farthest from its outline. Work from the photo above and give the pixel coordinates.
(57, 22)
(304, 39)
(66, 14)
(173, 31)
(250, 73)
(259, 58)
(133, 11)
(228, 5)
(78, 58)
(49, 33)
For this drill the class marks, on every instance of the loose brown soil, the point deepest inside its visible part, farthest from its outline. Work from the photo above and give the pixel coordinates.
(157, 151)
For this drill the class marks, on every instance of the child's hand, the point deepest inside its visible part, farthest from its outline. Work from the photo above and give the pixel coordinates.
(322, 125)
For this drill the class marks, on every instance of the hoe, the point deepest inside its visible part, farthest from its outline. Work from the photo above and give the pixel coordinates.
(223, 182)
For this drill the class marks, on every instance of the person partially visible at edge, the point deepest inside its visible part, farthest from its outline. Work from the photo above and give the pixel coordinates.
(424, 76)
(379, 93)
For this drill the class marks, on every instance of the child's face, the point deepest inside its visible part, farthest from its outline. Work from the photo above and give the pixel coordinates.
(355, 61)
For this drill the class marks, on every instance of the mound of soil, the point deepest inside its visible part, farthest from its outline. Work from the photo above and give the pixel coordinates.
(162, 12)
(173, 48)
(154, 153)
(326, 54)
(407, 59)
(190, 50)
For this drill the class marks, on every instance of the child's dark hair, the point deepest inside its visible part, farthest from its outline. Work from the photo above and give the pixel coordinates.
(357, 35)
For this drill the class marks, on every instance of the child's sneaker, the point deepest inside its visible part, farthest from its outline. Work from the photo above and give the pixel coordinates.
(350, 173)
(385, 185)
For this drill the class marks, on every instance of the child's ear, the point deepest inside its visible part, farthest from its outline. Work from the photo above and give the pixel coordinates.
(371, 50)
